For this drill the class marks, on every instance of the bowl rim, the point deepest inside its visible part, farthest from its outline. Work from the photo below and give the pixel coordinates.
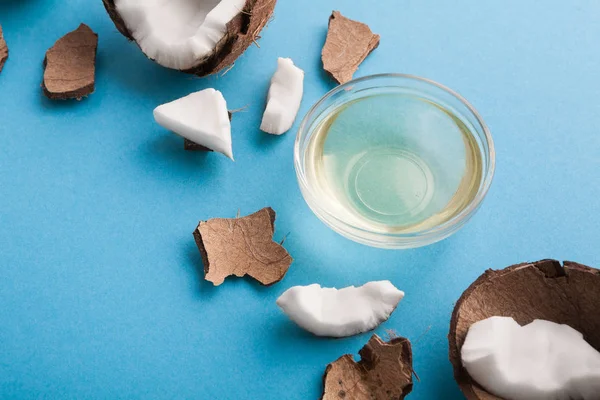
(395, 240)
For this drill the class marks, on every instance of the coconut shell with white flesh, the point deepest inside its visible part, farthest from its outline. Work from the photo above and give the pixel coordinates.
(199, 37)
(566, 294)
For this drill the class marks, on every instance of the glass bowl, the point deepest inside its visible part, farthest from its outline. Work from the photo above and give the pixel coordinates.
(476, 135)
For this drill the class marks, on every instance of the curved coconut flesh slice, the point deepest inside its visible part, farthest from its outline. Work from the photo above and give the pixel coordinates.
(542, 290)
(195, 36)
(200, 117)
(340, 313)
(541, 360)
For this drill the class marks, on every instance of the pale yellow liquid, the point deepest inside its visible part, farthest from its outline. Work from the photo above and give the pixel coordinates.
(393, 163)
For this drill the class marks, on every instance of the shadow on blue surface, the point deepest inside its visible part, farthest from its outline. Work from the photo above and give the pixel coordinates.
(61, 105)
(8, 6)
(166, 152)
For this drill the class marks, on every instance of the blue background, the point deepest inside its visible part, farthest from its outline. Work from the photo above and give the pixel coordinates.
(101, 289)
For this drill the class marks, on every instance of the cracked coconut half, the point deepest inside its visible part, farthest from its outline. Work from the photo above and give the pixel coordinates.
(195, 36)
(567, 294)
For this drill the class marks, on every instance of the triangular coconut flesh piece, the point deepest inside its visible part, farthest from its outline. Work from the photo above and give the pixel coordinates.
(200, 117)
(195, 36)
(546, 290)
(191, 146)
(3, 50)
(70, 65)
(348, 43)
(384, 372)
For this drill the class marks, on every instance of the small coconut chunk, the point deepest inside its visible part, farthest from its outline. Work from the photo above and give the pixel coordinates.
(285, 95)
(178, 33)
(3, 50)
(200, 117)
(384, 372)
(340, 313)
(242, 246)
(347, 45)
(70, 65)
(541, 360)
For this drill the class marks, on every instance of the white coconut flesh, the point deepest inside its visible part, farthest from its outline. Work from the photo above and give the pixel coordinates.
(541, 360)
(201, 117)
(340, 313)
(284, 98)
(178, 34)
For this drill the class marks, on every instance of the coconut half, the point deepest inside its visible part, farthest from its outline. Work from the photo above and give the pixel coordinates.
(195, 36)
(545, 290)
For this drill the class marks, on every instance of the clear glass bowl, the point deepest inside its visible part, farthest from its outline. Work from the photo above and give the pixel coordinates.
(440, 96)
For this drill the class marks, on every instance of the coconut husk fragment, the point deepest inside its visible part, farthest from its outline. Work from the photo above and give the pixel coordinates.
(70, 65)
(242, 246)
(348, 43)
(568, 294)
(383, 373)
(3, 50)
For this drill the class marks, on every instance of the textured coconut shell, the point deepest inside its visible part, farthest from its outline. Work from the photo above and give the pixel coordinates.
(541, 290)
(70, 65)
(242, 31)
(384, 372)
(3, 50)
(242, 246)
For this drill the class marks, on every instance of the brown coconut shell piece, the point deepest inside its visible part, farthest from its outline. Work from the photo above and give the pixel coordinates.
(242, 31)
(3, 50)
(242, 246)
(568, 294)
(384, 372)
(348, 43)
(70, 65)
(193, 146)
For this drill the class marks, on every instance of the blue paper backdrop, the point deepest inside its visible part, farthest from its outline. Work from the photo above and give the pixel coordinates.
(101, 290)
